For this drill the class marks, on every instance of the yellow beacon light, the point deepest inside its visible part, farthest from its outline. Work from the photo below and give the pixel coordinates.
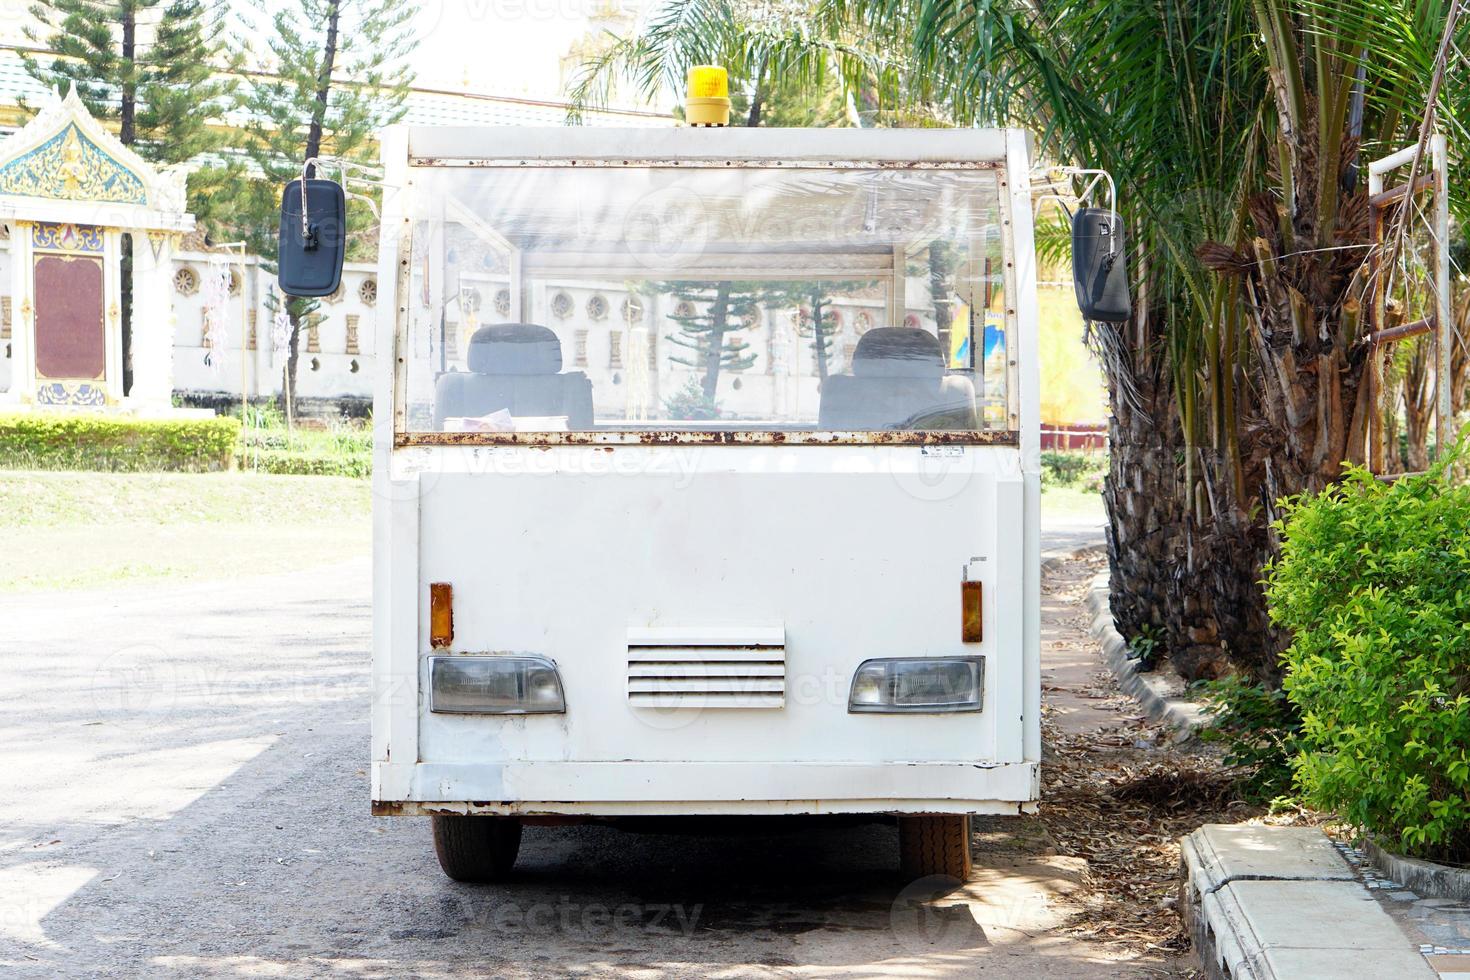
(708, 102)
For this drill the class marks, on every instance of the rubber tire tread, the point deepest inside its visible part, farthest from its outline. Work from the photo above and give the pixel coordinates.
(934, 844)
(477, 850)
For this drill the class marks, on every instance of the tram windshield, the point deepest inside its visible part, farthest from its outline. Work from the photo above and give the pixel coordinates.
(754, 298)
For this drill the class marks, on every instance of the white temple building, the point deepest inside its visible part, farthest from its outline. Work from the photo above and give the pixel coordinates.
(69, 191)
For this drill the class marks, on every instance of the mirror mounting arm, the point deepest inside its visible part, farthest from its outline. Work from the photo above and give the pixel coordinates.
(1087, 192)
(1099, 259)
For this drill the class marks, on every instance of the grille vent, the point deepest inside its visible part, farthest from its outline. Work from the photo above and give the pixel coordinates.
(712, 667)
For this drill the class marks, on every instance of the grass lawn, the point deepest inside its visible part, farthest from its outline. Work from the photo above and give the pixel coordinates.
(65, 530)
(1074, 505)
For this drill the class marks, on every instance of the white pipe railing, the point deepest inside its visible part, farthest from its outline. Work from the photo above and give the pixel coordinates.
(1443, 322)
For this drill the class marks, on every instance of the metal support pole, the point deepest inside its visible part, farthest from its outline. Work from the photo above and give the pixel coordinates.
(1442, 322)
(244, 338)
(1444, 335)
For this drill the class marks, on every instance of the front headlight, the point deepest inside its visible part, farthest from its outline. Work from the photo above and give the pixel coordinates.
(918, 684)
(495, 686)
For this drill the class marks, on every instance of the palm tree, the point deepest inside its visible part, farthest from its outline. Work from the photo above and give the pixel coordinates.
(1235, 130)
(1343, 77)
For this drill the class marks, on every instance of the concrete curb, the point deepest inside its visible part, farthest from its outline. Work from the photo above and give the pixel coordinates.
(1148, 690)
(1428, 879)
(1052, 560)
(1272, 903)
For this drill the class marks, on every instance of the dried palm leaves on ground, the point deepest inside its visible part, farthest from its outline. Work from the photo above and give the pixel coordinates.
(1122, 796)
(1123, 808)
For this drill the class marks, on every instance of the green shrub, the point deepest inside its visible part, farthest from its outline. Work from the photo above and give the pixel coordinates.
(690, 402)
(1068, 469)
(1145, 646)
(340, 449)
(1373, 580)
(264, 439)
(263, 415)
(299, 462)
(68, 441)
(346, 439)
(1260, 730)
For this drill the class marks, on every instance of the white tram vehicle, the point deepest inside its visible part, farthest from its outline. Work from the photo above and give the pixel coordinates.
(706, 480)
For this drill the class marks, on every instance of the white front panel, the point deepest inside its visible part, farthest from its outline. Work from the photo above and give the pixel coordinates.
(576, 553)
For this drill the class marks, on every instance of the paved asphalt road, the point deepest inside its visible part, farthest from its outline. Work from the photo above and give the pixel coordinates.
(186, 794)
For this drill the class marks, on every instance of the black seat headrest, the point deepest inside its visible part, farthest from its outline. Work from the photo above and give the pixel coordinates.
(514, 348)
(898, 352)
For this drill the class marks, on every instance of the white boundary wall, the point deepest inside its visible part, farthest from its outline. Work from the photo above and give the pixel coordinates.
(333, 364)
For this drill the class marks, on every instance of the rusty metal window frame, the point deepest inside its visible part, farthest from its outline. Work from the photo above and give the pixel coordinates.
(404, 437)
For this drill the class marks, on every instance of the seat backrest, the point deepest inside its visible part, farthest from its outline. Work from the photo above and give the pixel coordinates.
(515, 367)
(514, 348)
(898, 352)
(897, 382)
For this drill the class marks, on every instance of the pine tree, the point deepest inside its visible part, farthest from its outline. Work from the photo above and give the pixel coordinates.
(727, 304)
(813, 300)
(824, 325)
(706, 335)
(148, 65)
(340, 77)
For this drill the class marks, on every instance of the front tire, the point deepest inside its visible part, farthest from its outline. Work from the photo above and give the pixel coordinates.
(477, 850)
(934, 844)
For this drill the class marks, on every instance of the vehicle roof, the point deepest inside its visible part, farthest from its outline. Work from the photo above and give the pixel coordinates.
(693, 145)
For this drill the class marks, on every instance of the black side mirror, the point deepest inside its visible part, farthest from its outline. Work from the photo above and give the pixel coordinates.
(1099, 266)
(312, 251)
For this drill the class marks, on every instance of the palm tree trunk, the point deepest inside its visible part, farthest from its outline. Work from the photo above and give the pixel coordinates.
(1141, 498)
(1162, 566)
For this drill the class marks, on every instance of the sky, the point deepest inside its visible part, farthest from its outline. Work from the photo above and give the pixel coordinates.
(504, 47)
(493, 47)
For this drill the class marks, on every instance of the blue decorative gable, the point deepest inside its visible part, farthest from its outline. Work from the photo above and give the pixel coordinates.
(70, 167)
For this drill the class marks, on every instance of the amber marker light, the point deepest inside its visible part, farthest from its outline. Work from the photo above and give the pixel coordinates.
(441, 615)
(970, 612)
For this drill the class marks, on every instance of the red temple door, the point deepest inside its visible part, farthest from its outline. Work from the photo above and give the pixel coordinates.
(71, 336)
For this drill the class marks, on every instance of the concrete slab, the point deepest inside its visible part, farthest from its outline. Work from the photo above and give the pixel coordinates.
(1450, 967)
(1271, 903)
(1326, 915)
(1291, 929)
(1220, 853)
(1317, 963)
